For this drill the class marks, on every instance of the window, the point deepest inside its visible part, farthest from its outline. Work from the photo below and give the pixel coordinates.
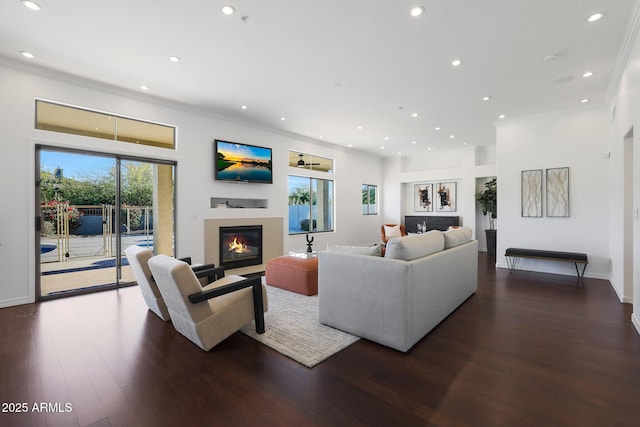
(310, 162)
(310, 205)
(79, 121)
(369, 205)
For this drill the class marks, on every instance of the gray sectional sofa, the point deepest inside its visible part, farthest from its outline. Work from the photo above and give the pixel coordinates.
(397, 299)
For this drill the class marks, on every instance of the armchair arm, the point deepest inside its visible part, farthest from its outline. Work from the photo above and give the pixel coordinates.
(205, 270)
(209, 271)
(258, 305)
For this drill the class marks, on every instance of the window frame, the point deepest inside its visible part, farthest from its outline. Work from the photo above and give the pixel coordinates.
(312, 195)
(70, 119)
(368, 188)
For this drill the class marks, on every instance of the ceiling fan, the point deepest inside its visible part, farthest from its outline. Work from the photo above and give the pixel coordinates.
(302, 164)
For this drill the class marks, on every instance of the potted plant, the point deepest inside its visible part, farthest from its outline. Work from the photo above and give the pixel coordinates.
(489, 201)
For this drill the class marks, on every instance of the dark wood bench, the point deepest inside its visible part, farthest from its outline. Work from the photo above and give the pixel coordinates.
(514, 254)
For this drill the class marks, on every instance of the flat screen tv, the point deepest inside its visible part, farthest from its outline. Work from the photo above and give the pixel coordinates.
(237, 162)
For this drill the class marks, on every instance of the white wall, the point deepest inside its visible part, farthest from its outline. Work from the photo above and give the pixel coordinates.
(195, 183)
(461, 166)
(575, 139)
(624, 183)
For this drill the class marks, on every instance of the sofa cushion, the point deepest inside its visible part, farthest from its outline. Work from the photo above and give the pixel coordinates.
(456, 237)
(391, 231)
(374, 250)
(415, 246)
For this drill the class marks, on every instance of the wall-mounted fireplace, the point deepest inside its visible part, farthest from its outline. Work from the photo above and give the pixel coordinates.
(240, 246)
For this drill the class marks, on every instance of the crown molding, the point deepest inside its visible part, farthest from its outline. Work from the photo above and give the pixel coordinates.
(77, 81)
(628, 42)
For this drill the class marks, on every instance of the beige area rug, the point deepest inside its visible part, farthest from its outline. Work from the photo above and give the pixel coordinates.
(292, 328)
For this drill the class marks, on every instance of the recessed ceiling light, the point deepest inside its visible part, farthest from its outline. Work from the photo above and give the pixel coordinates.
(417, 11)
(382, 148)
(227, 10)
(437, 128)
(350, 145)
(587, 74)
(502, 116)
(174, 58)
(456, 62)
(283, 118)
(321, 137)
(386, 138)
(486, 98)
(452, 136)
(360, 127)
(429, 149)
(595, 17)
(414, 115)
(27, 54)
(244, 107)
(31, 5)
(144, 87)
(551, 56)
(584, 101)
(414, 142)
(399, 153)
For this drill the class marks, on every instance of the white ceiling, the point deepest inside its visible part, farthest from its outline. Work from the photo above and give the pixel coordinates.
(330, 66)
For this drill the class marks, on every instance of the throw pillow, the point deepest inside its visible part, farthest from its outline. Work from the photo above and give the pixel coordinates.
(415, 246)
(391, 231)
(456, 237)
(374, 250)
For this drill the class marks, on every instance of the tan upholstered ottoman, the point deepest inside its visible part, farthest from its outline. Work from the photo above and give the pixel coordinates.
(294, 274)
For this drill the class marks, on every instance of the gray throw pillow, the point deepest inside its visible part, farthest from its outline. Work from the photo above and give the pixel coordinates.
(374, 250)
(456, 237)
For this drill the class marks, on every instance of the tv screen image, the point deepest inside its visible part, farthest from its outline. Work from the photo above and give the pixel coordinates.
(242, 162)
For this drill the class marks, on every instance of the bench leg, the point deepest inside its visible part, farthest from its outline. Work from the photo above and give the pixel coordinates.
(580, 274)
(511, 263)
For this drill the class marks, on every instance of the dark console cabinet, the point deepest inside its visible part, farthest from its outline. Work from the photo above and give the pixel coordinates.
(432, 222)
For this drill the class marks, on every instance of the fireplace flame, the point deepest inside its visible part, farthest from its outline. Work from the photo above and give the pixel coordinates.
(237, 247)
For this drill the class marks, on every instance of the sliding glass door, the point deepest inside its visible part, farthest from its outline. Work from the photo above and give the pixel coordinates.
(90, 208)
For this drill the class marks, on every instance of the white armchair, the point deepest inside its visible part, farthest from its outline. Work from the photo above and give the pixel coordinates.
(207, 315)
(138, 258)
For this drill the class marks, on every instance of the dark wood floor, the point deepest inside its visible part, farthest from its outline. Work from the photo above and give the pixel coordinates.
(530, 350)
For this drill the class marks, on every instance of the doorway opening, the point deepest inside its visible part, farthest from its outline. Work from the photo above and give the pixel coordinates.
(90, 207)
(630, 215)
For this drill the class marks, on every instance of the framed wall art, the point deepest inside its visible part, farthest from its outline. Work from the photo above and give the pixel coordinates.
(558, 192)
(531, 197)
(446, 197)
(423, 197)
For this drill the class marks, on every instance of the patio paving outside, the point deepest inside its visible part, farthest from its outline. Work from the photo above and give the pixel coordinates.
(87, 266)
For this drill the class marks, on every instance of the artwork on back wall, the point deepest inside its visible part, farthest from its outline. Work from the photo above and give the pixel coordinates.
(556, 188)
(446, 197)
(531, 184)
(558, 192)
(423, 197)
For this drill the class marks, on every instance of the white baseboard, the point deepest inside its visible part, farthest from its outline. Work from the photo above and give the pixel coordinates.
(15, 301)
(636, 321)
(617, 290)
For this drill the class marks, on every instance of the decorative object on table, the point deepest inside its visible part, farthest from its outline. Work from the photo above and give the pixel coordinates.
(531, 198)
(309, 243)
(423, 197)
(488, 199)
(558, 192)
(446, 197)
